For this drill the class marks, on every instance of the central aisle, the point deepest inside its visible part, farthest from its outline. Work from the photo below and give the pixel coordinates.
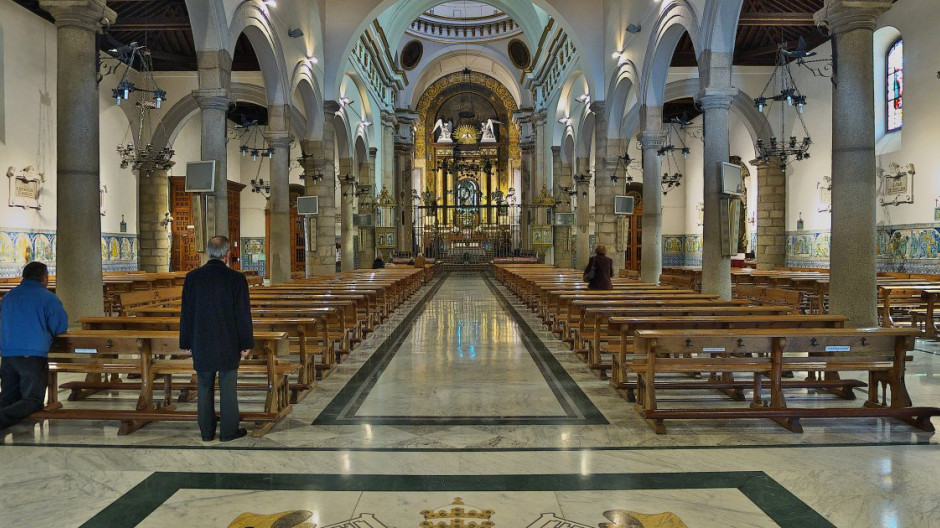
(464, 359)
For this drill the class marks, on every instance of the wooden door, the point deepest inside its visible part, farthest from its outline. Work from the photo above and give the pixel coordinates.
(184, 255)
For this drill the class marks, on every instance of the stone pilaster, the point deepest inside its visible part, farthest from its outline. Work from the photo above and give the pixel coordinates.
(367, 234)
(582, 213)
(321, 253)
(853, 285)
(279, 260)
(605, 221)
(347, 206)
(771, 208)
(404, 167)
(651, 263)
(526, 193)
(562, 235)
(78, 222)
(389, 124)
(153, 202)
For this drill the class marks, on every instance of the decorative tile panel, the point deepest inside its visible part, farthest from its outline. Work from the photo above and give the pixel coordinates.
(911, 248)
(119, 251)
(252, 255)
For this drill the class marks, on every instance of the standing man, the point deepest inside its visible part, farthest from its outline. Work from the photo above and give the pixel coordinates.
(215, 327)
(30, 316)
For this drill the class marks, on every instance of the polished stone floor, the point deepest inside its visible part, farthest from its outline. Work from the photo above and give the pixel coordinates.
(462, 394)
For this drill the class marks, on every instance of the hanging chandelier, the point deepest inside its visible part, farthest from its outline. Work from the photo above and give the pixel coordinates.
(135, 149)
(253, 142)
(672, 178)
(623, 164)
(781, 88)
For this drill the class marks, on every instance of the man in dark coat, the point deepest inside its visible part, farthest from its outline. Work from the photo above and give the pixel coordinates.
(215, 326)
(603, 270)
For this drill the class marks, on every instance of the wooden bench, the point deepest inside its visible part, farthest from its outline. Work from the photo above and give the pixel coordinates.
(765, 354)
(103, 353)
(155, 297)
(305, 335)
(626, 353)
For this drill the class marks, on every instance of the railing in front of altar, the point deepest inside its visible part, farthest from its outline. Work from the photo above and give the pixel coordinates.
(470, 234)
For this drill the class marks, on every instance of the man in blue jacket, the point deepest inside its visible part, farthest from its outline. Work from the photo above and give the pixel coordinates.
(30, 316)
(215, 326)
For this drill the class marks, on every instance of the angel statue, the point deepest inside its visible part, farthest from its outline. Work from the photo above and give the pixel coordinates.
(445, 131)
(487, 131)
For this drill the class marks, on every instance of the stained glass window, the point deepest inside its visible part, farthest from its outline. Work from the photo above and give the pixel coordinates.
(895, 106)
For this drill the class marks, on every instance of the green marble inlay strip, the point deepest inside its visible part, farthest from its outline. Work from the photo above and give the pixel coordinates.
(781, 506)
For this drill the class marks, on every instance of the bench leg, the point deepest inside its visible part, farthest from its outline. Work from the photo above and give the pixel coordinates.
(791, 424)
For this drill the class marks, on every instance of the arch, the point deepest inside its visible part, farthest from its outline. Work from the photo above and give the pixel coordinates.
(185, 108)
(567, 97)
(396, 17)
(567, 151)
(720, 25)
(618, 93)
(341, 138)
(252, 20)
(208, 22)
(742, 105)
(361, 157)
(304, 83)
(675, 19)
(585, 136)
(500, 72)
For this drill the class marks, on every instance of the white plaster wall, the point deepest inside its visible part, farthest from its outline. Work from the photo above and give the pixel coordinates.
(27, 111)
(121, 184)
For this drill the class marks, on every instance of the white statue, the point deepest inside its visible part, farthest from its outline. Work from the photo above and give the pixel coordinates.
(446, 128)
(487, 131)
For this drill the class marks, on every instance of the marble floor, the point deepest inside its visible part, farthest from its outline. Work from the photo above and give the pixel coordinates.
(463, 403)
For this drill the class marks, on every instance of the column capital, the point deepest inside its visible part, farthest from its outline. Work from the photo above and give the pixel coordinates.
(539, 118)
(527, 147)
(85, 14)
(598, 107)
(770, 163)
(214, 99)
(404, 149)
(330, 107)
(389, 120)
(842, 16)
(373, 152)
(556, 150)
(652, 139)
(278, 139)
(716, 98)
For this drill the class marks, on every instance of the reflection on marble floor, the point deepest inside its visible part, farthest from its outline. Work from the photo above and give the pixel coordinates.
(866, 472)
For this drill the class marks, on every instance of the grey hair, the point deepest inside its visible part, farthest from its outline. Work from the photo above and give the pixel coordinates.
(218, 247)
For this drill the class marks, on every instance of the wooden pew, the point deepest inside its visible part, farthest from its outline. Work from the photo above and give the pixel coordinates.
(107, 352)
(628, 326)
(306, 332)
(765, 354)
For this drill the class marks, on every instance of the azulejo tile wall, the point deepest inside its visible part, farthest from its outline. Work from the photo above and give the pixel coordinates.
(17, 247)
(682, 250)
(911, 248)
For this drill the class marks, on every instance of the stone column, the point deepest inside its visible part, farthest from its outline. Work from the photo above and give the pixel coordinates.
(853, 286)
(562, 235)
(540, 173)
(279, 260)
(214, 98)
(153, 202)
(716, 268)
(582, 213)
(367, 234)
(651, 263)
(771, 207)
(347, 230)
(78, 222)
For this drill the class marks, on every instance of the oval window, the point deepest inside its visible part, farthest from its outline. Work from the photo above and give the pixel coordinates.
(519, 54)
(411, 54)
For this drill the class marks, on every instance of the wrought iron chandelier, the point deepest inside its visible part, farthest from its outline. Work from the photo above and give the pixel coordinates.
(253, 142)
(135, 149)
(672, 178)
(781, 88)
(623, 164)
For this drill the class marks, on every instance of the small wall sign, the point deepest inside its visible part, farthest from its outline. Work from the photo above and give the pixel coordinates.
(25, 187)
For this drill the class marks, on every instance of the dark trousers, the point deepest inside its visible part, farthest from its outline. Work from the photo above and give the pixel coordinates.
(23, 382)
(228, 403)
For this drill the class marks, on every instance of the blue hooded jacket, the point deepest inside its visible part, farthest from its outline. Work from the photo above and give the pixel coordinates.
(30, 316)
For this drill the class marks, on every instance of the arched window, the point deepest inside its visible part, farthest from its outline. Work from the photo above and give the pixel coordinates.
(895, 87)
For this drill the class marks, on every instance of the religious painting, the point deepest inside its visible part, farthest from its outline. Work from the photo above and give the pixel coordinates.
(542, 236)
(385, 238)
